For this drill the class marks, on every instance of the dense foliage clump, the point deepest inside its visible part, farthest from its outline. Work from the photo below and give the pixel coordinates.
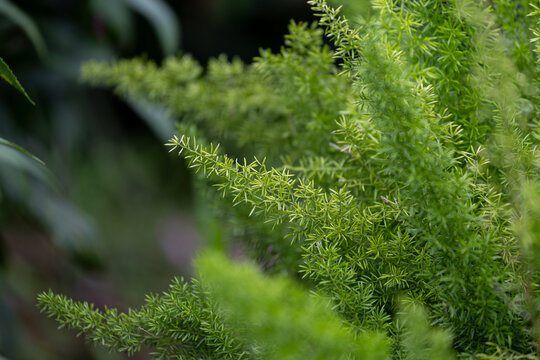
(392, 201)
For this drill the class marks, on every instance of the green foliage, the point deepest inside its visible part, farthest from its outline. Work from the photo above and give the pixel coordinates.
(7, 75)
(282, 318)
(180, 324)
(421, 342)
(412, 173)
(283, 97)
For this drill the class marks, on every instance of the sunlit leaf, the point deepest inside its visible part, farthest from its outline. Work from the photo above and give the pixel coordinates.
(7, 74)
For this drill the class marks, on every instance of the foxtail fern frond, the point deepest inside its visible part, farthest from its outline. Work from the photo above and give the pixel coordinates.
(180, 324)
(402, 169)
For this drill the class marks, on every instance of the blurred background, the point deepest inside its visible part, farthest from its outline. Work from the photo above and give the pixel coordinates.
(110, 218)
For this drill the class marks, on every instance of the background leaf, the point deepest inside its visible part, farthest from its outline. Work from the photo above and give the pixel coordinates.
(4, 142)
(26, 23)
(14, 156)
(157, 117)
(162, 18)
(118, 16)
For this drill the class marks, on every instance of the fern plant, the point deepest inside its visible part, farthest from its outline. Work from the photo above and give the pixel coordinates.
(392, 201)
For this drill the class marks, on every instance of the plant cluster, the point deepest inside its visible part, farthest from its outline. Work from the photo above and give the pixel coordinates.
(395, 178)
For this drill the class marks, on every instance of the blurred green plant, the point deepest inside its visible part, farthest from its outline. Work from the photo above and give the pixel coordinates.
(283, 320)
(34, 204)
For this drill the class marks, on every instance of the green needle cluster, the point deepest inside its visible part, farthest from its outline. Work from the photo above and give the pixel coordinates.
(391, 205)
